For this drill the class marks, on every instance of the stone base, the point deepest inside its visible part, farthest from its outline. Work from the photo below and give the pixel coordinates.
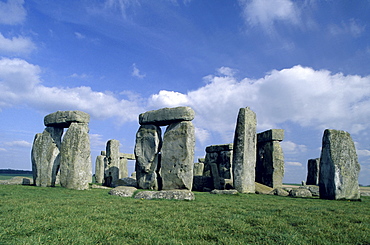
(169, 194)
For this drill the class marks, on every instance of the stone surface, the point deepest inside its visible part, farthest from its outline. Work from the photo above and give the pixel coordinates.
(313, 169)
(167, 116)
(315, 190)
(75, 159)
(93, 186)
(218, 148)
(147, 147)
(202, 183)
(128, 156)
(225, 192)
(17, 180)
(63, 119)
(112, 171)
(271, 135)
(339, 167)
(168, 194)
(300, 192)
(123, 191)
(178, 156)
(262, 189)
(280, 192)
(244, 152)
(127, 182)
(99, 169)
(270, 160)
(198, 168)
(45, 156)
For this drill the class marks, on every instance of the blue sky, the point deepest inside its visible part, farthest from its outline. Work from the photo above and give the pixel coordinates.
(302, 66)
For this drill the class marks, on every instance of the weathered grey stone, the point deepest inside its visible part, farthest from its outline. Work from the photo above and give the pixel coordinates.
(127, 182)
(167, 116)
(75, 159)
(198, 168)
(262, 189)
(225, 192)
(99, 169)
(218, 148)
(313, 169)
(244, 152)
(202, 183)
(45, 156)
(147, 147)
(63, 119)
(201, 160)
(115, 167)
(93, 186)
(123, 191)
(123, 167)
(339, 167)
(178, 156)
(300, 192)
(17, 180)
(103, 153)
(280, 192)
(128, 156)
(315, 190)
(168, 194)
(271, 135)
(270, 159)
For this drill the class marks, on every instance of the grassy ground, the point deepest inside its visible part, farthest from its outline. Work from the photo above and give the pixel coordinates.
(37, 215)
(9, 176)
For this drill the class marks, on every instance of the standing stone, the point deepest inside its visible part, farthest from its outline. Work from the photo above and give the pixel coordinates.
(45, 156)
(99, 169)
(75, 169)
(270, 158)
(313, 168)
(198, 169)
(339, 167)
(123, 166)
(244, 154)
(112, 167)
(177, 156)
(147, 147)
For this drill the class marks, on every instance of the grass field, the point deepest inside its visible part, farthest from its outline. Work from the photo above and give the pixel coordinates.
(37, 215)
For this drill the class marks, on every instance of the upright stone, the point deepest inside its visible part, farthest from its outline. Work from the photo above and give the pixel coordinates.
(339, 167)
(244, 154)
(99, 169)
(147, 147)
(177, 156)
(75, 169)
(198, 168)
(313, 168)
(45, 156)
(112, 168)
(123, 165)
(270, 158)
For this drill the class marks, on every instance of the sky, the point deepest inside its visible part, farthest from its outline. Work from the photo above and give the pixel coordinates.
(302, 66)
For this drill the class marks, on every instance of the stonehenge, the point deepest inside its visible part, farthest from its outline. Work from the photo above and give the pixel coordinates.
(165, 164)
(313, 169)
(72, 155)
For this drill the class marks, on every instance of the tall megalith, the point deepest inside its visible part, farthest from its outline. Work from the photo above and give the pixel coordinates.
(75, 158)
(112, 167)
(339, 167)
(270, 158)
(313, 169)
(147, 147)
(100, 163)
(244, 153)
(178, 156)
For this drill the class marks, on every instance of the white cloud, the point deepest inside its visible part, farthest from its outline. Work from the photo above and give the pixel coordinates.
(352, 27)
(266, 12)
(296, 164)
(79, 35)
(3, 149)
(120, 5)
(363, 153)
(12, 12)
(19, 143)
(136, 72)
(16, 45)
(290, 147)
(167, 99)
(80, 76)
(202, 135)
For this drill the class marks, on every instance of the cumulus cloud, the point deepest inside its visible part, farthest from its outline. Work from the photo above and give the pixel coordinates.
(290, 147)
(12, 12)
(266, 12)
(15, 45)
(20, 84)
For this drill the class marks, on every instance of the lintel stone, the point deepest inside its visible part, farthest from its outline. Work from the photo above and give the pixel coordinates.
(271, 135)
(167, 116)
(218, 148)
(63, 119)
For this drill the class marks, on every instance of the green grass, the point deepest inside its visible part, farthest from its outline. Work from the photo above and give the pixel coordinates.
(9, 176)
(37, 215)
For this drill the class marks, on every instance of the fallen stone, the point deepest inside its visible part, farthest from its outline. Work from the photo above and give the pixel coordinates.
(300, 192)
(225, 192)
(280, 192)
(315, 190)
(177, 158)
(339, 167)
(127, 182)
(168, 194)
(123, 191)
(17, 180)
(93, 186)
(63, 119)
(244, 152)
(167, 116)
(262, 189)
